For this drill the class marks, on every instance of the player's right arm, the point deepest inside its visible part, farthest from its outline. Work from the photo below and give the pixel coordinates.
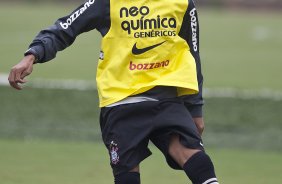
(57, 37)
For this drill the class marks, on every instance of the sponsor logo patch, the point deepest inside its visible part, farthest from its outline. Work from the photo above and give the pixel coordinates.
(137, 51)
(136, 21)
(76, 14)
(194, 27)
(101, 56)
(114, 153)
(149, 65)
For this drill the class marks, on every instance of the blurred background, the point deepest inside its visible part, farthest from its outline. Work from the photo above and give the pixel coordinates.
(49, 132)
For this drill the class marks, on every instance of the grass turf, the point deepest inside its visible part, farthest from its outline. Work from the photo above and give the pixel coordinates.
(86, 163)
(73, 115)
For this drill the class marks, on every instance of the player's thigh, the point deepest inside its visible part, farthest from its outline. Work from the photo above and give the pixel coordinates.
(125, 131)
(176, 133)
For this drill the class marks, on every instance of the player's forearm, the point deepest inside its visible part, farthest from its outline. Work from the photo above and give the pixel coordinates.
(199, 122)
(194, 103)
(31, 59)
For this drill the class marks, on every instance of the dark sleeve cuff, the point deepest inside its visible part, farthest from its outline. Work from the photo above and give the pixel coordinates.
(195, 110)
(37, 51)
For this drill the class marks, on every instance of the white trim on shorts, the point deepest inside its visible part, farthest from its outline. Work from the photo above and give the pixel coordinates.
(130, 100)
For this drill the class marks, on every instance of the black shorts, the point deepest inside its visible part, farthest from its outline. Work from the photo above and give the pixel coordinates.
(127, 130)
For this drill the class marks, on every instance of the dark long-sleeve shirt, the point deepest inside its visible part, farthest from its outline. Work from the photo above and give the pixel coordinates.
(95, 14)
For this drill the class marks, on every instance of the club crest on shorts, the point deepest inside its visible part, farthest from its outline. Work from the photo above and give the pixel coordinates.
(114, 153)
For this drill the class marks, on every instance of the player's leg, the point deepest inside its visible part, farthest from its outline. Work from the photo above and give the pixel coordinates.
(196, 163)
(131, 177)
(125, 131)
(177, 136)
(178, 152)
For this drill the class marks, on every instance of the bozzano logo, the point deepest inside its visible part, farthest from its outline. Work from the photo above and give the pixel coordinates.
(148, 66)
(135, 21)
(76, 14)
(194, 27)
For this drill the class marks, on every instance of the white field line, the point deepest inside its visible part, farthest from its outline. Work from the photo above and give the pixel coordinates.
(3, 79)
(82, 85)
(53, 84)
(243, 94)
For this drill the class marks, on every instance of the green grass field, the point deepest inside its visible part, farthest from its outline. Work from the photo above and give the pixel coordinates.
(86, 163)
(52, 136)
(73, 115)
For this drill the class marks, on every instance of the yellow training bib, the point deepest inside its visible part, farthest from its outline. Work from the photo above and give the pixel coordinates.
(142, 50)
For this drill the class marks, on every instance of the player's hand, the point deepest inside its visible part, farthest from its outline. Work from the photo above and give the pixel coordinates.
(20, 71)
(199, 121)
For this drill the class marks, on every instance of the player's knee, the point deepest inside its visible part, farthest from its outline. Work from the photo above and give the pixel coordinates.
(135, 169)
(179, 152)
(174, 146)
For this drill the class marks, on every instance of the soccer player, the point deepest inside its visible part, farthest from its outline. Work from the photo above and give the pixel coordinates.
(149, 81)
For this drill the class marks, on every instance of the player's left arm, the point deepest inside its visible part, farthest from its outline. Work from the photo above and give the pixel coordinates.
(190, 32)
(199, 121)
